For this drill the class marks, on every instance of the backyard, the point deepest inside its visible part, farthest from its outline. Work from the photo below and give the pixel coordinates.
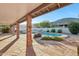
(68, 47)
(36, 36)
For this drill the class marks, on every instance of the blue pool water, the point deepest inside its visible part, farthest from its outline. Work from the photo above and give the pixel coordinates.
(48, 34)
(51, 34)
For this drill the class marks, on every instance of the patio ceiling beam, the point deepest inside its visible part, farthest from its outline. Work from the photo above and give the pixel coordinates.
(22, 19)
(50, 7)
(59, 5)
(42, 9)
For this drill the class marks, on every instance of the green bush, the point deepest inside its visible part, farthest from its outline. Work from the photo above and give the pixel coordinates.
(48, 31)
(47, 38)
(74, 27)
(0, 30)
(5, 30)
(59, 31)
(53, 38)
(53, 30)
(58, 39)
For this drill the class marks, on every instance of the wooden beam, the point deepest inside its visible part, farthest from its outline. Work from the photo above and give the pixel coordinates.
(29, 50)
(39, 7)
(50, 7)
(34, 10)
(17, 30)
(29, 30)
(43, 6)
(58, 4)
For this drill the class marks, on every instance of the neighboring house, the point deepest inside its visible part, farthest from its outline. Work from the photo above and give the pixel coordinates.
(23, 28)
(63, 24)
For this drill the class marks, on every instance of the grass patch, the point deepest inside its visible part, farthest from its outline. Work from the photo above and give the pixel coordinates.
(53, 38)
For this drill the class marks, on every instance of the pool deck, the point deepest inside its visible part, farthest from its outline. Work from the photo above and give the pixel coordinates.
(10, 46)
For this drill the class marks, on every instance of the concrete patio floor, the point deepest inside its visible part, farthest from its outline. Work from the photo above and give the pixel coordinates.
(12, 47)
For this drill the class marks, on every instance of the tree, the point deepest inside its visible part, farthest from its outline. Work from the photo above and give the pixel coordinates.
(45, 24)
(74, 27)
(37, 25)
(52, 25)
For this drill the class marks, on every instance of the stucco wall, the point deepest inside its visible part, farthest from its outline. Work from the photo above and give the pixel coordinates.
(64, 30)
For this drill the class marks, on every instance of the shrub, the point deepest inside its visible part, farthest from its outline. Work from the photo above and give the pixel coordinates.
(37, 35)
(48, 31)
(53, 30)
(0, 30)
(53, 38)
(57, 38)
(74, 27)
(59, 31)
(5, 30)
(47, 38)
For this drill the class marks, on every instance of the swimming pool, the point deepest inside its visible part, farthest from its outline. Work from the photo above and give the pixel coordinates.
(54, 34)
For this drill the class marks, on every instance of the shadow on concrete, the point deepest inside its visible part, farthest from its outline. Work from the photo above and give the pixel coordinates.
(4, 34)
(51, 42)
(66, 42)
(6, 38)
(7, 47)
(45, 42)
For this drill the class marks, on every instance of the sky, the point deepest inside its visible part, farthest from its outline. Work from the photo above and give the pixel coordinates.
(70, 11)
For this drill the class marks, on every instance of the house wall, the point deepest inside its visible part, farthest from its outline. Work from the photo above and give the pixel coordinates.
(64, 29)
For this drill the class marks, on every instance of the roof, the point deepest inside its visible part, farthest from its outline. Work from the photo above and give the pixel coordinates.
(12, 12)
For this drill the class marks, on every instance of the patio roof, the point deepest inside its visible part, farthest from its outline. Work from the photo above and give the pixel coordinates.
(44, 8)
(12, 12)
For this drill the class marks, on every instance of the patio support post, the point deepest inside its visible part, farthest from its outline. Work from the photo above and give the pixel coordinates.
(12, 29)
(29, 35)
(17, 30)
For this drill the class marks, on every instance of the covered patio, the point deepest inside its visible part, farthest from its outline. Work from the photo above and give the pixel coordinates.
(14, 14)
